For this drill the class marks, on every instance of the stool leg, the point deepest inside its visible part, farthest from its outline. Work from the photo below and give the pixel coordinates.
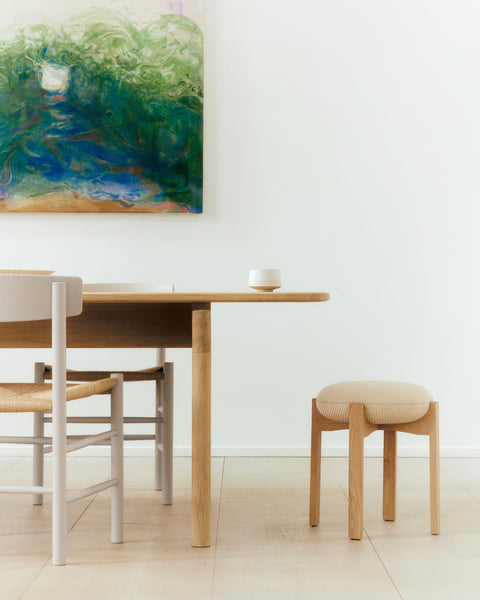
(315, 468)
(389, 475)
(434, 472)
(356, 420)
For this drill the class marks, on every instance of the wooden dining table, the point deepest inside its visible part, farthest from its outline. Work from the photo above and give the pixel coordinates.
(158, 320)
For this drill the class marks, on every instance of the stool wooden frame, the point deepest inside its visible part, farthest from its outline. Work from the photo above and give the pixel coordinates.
(359, 428)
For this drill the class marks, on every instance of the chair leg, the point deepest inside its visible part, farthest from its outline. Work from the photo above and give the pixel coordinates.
(159, 388)
(389, 475)
(315, 468)
(167, 435)
(59, 497)
(116, 457)
(435, 471)
(356, 421)
(38, 431)
(59, 427)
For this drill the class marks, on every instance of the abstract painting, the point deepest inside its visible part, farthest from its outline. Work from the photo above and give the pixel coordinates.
(101, 107)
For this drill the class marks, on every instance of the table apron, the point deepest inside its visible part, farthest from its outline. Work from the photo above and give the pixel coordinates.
(103, 325)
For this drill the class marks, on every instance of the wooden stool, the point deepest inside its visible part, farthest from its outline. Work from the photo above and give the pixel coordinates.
(363, 407)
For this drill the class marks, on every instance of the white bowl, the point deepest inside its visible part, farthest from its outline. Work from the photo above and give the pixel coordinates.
(265, 280)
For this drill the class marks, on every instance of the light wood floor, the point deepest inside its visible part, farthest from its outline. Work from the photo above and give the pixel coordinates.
(263, 547)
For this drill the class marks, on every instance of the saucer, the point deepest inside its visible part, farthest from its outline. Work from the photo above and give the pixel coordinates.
(265, 288)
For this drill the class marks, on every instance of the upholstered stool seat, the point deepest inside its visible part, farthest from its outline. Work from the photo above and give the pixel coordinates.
(386, 402)
(364, 407)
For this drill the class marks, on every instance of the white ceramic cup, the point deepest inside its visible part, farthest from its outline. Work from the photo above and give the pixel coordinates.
(265, 280)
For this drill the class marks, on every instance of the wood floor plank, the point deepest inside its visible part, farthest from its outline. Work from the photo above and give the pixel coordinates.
(7, 463)
(465, 473)
(264, 546)
(156, 555)
(421, 565)
(26, 541)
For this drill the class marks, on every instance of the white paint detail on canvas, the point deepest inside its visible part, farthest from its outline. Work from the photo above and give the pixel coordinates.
(55, 78)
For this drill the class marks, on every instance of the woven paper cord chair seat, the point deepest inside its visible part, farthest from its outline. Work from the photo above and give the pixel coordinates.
(37, 397)
(386, 402)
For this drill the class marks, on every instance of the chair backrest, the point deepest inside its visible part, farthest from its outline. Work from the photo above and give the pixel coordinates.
(128, 287)
(29, 297)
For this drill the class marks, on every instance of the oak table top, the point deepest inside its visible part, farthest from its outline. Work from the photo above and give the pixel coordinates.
(208, 297)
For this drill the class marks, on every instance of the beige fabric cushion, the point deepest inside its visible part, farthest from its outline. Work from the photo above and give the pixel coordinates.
(385, 401)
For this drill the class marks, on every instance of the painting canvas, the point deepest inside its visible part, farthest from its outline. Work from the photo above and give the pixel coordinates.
(101, 106)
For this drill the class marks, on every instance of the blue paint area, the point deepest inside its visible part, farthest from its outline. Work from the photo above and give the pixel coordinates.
(72, 152)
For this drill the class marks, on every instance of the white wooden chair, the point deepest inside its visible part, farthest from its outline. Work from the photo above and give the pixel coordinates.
(162, 374)
(37, 297)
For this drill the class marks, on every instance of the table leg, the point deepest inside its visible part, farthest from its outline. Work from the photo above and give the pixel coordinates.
(201, 425)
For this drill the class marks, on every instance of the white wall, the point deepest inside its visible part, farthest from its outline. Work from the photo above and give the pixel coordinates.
(342, 146)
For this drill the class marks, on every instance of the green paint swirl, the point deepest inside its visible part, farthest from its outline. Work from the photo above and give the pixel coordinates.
(134, 98)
